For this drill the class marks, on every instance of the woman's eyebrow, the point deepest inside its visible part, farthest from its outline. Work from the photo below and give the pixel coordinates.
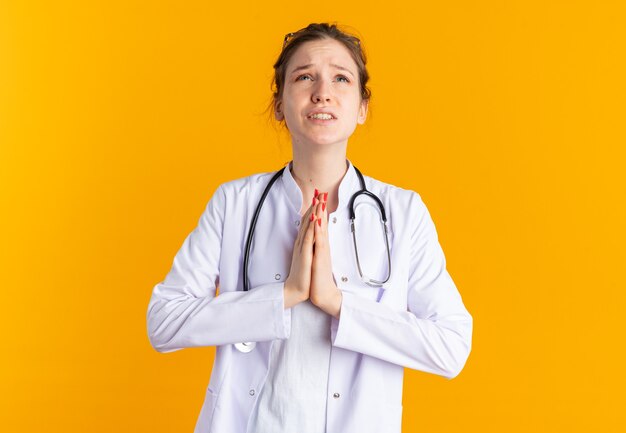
(299, 68)
(342, 68)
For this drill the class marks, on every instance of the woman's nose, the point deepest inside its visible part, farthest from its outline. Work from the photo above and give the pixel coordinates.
(321, 92)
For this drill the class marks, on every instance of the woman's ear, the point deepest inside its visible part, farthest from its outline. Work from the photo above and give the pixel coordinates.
(278, 111)
(363, 111)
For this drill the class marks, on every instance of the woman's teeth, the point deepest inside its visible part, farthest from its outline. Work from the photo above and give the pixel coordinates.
(321, 116)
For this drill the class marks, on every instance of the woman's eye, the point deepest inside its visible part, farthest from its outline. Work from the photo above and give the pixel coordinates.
(341, 78)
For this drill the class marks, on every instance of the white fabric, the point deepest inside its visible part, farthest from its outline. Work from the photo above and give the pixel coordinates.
(417, 321)
(294, 396)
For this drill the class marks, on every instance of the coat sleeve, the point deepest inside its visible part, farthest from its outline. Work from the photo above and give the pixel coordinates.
(434, 334)
(184, 310)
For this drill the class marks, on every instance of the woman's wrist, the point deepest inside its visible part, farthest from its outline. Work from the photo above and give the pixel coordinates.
(292, 296)
(332, 303)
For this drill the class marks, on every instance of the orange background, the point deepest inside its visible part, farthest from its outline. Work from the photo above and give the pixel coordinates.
(119, 119)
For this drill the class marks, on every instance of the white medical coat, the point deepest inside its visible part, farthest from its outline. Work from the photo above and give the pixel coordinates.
(418, 319)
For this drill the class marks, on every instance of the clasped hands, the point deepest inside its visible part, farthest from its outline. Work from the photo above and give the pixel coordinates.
(310, 276)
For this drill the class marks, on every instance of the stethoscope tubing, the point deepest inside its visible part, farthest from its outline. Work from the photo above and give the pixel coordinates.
(255, 217)
(246, 256)
(246, 347)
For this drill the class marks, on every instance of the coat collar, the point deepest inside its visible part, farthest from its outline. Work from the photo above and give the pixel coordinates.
(347, 187)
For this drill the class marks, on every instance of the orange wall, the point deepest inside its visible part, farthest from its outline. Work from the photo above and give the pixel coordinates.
(118, 119)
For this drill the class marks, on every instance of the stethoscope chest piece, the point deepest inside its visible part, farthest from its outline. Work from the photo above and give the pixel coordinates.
(245, 347)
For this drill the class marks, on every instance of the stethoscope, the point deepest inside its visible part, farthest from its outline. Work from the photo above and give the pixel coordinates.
(247, 347)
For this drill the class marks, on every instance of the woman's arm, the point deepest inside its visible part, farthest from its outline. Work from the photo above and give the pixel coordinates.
(435, 334)
(184, 310)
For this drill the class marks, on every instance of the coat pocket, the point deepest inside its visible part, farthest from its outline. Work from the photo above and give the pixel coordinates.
(205, 419)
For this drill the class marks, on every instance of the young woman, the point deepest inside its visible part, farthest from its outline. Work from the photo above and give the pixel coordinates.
(321, 302)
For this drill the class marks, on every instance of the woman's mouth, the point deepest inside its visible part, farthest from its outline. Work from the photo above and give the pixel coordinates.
(321, 118)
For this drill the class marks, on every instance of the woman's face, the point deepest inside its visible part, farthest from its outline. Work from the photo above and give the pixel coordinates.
(321, 77)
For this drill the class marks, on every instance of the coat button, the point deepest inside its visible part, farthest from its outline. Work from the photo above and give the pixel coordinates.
(297, 223)
(334, 220)
(277, 277)
(336, 395)
(251, 392)
(344, 279)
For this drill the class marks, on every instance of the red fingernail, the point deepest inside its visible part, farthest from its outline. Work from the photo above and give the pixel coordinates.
(319, 221)
(312, 217)
(323, 207)
(326, 196)
(315, 194)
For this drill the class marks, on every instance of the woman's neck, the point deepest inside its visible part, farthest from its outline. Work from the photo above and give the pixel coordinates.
(320, 171)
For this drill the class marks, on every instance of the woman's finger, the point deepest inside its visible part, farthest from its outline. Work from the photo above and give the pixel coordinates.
(320, 220)
(305, 222)
(309, 234)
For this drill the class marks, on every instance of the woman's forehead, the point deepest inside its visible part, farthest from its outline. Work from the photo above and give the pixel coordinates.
(320, 52)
